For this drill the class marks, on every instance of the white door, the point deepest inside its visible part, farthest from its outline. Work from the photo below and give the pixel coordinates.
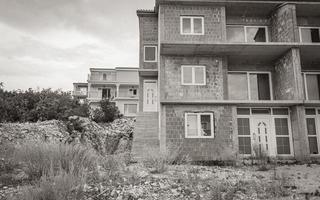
(262, 136)
(150, 97)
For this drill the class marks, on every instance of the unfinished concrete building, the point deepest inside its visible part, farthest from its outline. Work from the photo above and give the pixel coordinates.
(227, 79)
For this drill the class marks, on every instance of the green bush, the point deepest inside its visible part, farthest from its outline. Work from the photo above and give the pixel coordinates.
(38, 158)
(107, 112)
(30, 105)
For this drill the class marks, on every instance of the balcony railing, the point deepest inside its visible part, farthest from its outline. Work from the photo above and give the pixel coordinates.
(100, 78)
(80, 93)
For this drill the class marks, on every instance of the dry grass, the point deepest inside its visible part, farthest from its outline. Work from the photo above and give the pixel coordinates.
(38, 158)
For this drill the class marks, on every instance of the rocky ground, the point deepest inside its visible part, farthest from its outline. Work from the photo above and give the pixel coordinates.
(204, 182)
(135, 181)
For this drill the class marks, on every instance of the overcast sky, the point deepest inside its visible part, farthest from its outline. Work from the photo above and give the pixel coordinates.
(53, 43)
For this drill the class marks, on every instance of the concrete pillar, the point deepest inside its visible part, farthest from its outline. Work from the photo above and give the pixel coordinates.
(284, 26)
(299, 133)
(287, 78)
(163, 129)
(117, 91)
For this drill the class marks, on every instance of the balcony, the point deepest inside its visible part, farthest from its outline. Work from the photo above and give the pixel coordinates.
(99, 78)
(79, 93)
(238, 52)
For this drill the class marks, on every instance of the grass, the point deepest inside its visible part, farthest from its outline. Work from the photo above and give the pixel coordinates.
(37, 158)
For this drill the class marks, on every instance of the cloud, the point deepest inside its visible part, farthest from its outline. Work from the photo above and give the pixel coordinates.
(54, 43)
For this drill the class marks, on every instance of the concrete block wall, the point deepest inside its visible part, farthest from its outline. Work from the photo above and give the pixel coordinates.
(172, 88)
(287, 79)
(284, 24)
(214, 23)
(221, 147)
(148, 25)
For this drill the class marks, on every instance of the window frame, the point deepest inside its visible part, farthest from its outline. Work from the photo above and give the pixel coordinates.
(304, 75)
(156, 54)
(266, 32)
(307, 27)
(316, 117)
(193, 74)
(191, 24)
(198, 114)
(248, 83)
(129, 114)
(272, 116)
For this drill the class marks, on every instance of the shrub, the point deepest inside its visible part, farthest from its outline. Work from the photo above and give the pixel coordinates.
(39, 158)
(107, 112)
(30, 105)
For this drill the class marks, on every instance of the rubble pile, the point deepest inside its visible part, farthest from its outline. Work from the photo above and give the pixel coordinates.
(106, 138)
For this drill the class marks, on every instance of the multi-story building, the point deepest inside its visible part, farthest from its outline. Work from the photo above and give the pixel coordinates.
(230, 78)
(80, 91)
(119, 85)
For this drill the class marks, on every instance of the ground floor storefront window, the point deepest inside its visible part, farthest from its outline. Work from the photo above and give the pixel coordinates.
(264, 131)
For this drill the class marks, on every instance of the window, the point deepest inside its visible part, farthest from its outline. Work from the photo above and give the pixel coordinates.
(235, 34)
(312, 86)
(191, 25)
(133, 91)
(106, 93)
(130, 109)
(256, 34)
(193, 75)
(309, 34)
(282, 135)
(199, 125)
(244, 137)
(312, 135)
(104, 77)
(150, 53)
(257, 88)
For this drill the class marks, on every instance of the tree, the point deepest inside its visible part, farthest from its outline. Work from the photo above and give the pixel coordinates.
(1, 85)
(107, 112)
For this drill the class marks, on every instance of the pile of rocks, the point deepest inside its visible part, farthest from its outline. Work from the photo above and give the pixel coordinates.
(106, 138)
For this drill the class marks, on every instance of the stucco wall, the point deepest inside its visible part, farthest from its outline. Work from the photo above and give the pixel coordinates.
(172, 88)
(221, 147)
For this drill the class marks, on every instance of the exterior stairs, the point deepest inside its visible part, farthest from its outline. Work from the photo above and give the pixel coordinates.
(145, 135)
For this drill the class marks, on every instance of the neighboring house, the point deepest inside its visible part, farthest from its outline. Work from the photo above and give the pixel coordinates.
(228, 79)
(119, 85)
(80, 91)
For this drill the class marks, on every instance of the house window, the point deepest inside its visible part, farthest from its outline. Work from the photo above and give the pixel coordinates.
(150, 53)
(235, 34)
(133, 91)
(104, 77)
(312, 86)
(256, 34)
(282, 135)
(130, 109)
(309, 34)
(199, 125)
(193, 75)
(312, 121)
(249, 34)
(106, 93)
(249, 86)
(191, 25)
(244, 136)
